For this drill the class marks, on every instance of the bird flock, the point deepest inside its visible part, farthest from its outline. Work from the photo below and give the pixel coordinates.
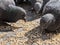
(49, 9)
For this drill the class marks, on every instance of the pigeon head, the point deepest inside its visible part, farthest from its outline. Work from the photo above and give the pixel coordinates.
(47, 20)
(16, 13)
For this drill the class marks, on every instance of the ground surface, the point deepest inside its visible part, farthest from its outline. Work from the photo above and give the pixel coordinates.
(27, 33)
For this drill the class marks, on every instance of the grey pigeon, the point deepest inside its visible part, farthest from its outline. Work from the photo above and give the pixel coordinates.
(47, 22)
(10, 12)
(37, 5)
(51, 16)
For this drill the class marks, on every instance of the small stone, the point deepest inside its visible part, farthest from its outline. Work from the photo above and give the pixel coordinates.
(20, 30)
(1, 39)
(1, 32)
(8, 43)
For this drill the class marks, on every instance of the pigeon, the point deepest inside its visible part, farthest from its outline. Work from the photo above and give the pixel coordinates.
(47, 22)
(36, 5)
(50, 20)
(9, 12)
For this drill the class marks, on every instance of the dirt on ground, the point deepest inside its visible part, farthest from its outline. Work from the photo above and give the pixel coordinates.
(27, 33)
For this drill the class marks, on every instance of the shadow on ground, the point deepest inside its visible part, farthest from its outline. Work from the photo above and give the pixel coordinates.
(4, 27)
(38, 34)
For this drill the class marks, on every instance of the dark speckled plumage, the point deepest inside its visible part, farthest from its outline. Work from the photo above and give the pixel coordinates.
(51, 8)
(10, 12)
